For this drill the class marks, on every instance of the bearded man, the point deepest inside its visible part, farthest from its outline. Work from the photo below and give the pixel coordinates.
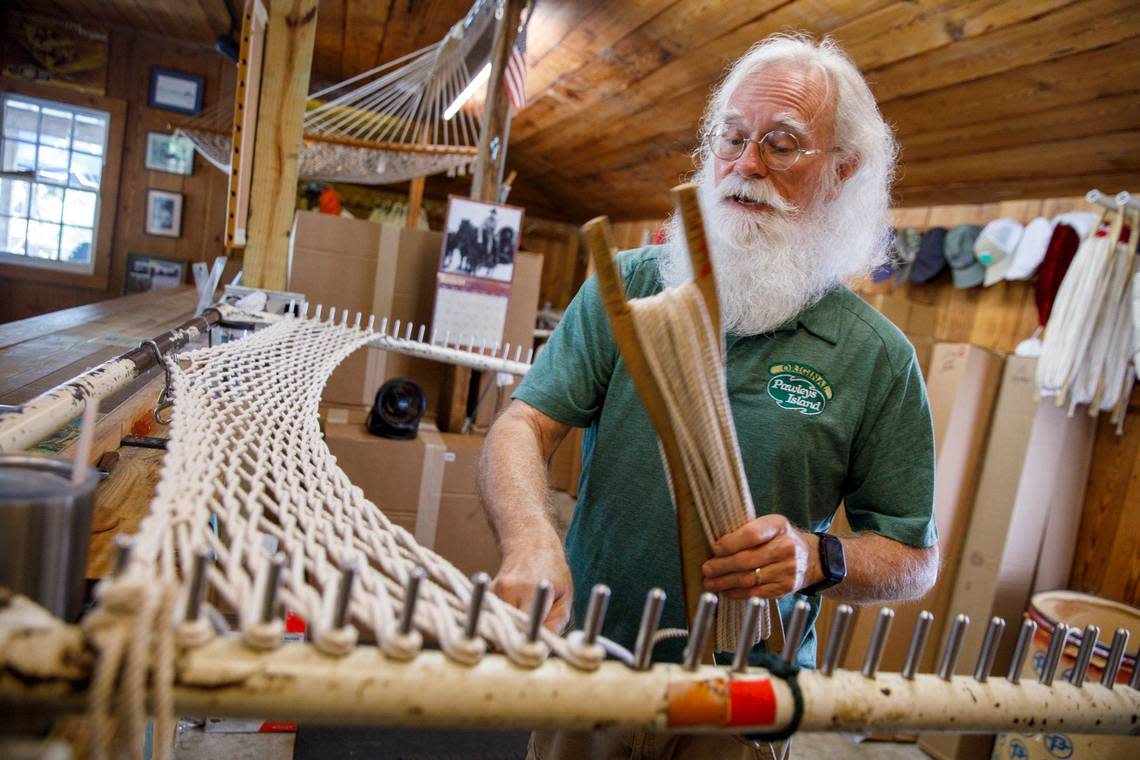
(794, 170)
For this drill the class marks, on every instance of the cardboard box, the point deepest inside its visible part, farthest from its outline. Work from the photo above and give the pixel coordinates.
(463, 532)
(402, 478)
(379, 270)
(962, 384)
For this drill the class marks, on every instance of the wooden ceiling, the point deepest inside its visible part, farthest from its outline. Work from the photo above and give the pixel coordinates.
(990, 99)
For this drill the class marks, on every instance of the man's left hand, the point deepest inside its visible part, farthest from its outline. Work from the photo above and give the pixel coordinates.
(766, 557)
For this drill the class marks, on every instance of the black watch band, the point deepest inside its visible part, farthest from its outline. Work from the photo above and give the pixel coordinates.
(831, 562)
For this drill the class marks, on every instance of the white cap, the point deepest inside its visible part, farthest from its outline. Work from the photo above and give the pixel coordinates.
(1030, 249)
(995, 246)
(1081, 221)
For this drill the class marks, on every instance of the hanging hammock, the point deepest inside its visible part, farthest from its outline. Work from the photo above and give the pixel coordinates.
(386, 125)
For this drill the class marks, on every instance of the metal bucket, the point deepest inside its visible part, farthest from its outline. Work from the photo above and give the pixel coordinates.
(1077, 610)
(45, 529)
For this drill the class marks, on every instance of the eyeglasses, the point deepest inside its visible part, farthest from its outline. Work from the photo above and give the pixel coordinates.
(779, 150)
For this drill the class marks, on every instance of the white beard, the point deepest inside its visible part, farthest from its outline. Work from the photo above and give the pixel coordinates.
(770, 267)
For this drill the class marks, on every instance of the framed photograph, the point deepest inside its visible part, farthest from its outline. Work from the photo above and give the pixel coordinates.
(163, 213)
(482, 239)
(153, 273)
(169, 153)
(175, 91)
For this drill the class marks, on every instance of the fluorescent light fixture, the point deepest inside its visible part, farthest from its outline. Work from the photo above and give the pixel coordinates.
(479, 80)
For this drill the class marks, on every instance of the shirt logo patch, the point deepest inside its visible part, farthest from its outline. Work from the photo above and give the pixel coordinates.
(798, 388)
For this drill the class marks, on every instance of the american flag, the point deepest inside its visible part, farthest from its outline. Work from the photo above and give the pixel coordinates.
(514, 78)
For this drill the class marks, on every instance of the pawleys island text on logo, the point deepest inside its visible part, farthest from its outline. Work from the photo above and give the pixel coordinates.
(798, 387)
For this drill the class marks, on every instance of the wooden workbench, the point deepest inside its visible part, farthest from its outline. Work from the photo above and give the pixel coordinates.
(39, 353)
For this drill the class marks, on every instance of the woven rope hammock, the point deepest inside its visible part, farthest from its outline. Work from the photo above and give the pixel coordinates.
(386, 125)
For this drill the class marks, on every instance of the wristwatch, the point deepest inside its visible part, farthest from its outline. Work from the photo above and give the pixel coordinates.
(831, 562)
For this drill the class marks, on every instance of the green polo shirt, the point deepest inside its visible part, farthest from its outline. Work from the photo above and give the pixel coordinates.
(829, 409)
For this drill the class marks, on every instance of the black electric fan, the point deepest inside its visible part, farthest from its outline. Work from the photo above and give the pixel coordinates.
(397, 410)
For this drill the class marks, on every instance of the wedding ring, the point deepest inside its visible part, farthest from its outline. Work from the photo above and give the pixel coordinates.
(756, 575)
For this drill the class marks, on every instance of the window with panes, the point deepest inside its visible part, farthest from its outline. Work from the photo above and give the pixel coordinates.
(53, 157)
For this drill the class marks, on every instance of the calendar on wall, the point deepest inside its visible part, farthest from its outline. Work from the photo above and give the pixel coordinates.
(476, 269)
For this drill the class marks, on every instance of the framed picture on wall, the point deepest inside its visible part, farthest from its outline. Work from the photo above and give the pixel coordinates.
(163, 213)
(153, 273)
(175, 91)
(169, 153)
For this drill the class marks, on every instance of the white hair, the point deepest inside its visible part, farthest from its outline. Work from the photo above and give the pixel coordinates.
(863, 203)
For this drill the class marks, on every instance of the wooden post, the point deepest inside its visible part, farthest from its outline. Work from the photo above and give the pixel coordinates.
(485, 186)
(284, 91)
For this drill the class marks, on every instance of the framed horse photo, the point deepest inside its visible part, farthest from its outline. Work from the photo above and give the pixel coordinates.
(476, 269)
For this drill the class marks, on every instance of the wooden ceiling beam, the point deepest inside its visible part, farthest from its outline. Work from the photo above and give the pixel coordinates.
(329, 46)
(1086, 120)
(1073, 29)
(364, 25)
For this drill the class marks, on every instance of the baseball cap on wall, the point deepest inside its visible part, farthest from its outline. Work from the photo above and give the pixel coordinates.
(959, 251)
(1030, 249)
(995, 246)
(930, 260)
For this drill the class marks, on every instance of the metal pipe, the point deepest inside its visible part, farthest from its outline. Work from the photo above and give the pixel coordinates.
(411, 595)
(699, 633)
(1098, 198)
(272, 586)
(650, 619)
(837, 639)
(31, 422)
(917, 647)
(348, 574)
(538, 607)
(795, 631)
(479, 585)
(747, 634)
(1053, 656)
(1084, 655)
(879, 636)
(1115, 658)
(1021, 650)
(196, 592)
(1125, 198)
(1134, 681)
(953, 647)
(596, 613)
(988, 652)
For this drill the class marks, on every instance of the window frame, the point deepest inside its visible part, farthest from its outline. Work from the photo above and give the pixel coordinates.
(99, 276)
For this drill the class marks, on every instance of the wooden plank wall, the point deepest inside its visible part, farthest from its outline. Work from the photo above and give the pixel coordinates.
(1107, 560)
(132, 53)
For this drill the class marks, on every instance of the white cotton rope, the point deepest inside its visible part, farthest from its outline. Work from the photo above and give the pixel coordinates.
(684, 354)
(246, 449)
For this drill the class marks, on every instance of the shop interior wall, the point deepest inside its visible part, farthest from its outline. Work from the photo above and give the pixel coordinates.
(131, 55)
(1107, 560)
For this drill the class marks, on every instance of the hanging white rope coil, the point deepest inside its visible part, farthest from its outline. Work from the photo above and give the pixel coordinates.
(683, 351)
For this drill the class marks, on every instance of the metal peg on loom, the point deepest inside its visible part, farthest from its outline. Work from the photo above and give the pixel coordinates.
(411, 594)
(1134, 681)
(538, 606)
(699, 633)
(917, 646)
(747, 635)
(953, 647)
(988, 652)
(879, 636)
(408, 331)
(267, 610)
(196, 593)
(650, 619)
(796, 626)
(1053, 655)
(348, 573)
(396, 330)
(1084, 655)
(479, 584)
(1115, 658)
(124, 545)
(384, 326)
(1021, 649)
(596, 613)
(837, 639)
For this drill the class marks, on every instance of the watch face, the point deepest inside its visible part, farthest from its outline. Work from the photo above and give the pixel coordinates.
(832, 559)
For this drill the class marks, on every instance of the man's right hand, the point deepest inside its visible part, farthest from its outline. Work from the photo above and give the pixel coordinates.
(520, 573)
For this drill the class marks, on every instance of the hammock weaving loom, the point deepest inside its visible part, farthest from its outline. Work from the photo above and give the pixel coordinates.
(399, 636)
